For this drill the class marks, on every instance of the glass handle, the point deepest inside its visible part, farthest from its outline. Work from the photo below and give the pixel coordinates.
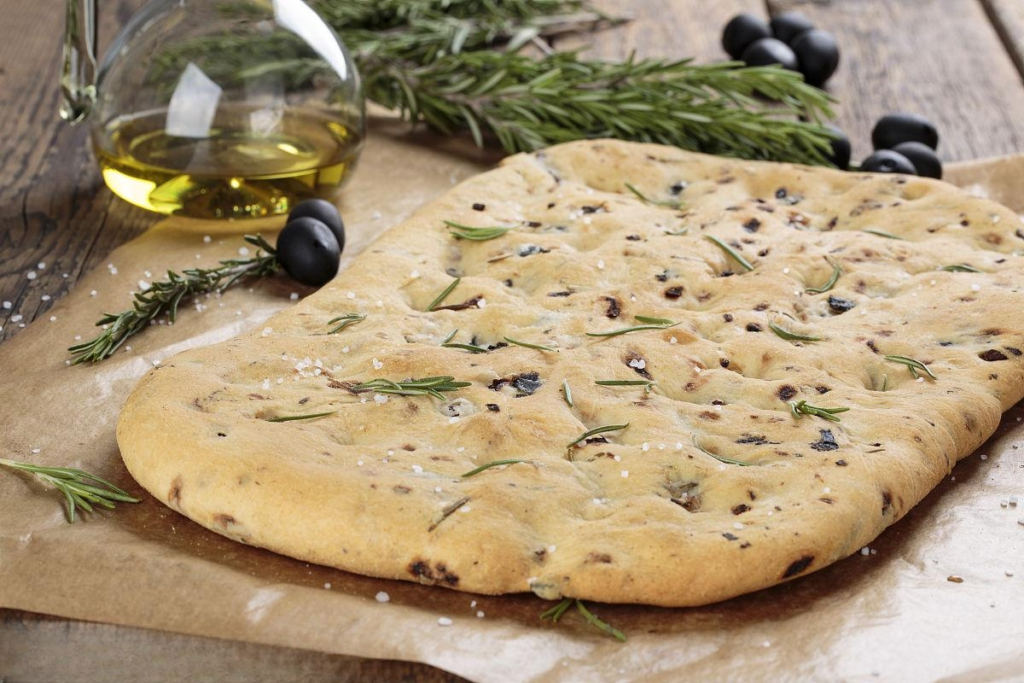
(78, 68)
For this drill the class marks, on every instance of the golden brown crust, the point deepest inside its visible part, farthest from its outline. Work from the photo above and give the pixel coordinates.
(647, 516)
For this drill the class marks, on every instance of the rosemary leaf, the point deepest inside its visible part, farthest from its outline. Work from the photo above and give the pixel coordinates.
(719, 458)
(647, 384)
(595, 431)
(428, 386)
(731, 252)
(476, 234)
(660, 324)
(676, 233)
(670, 203)
(791, 336)
(293, 418)
(960, 268)
(836, 272)
(802, 407)
(599, 624)
(164, 296)
(883, 233)
(556, 612)
(74, 484)
(466, 347)
(495, 463)
(444, 294)
(538, 347)
(567, 392)
(448, 344)
(447, 511)
(343, 321)
(648, 320)
(913, 365)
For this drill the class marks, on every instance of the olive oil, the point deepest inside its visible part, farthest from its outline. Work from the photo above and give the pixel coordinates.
(248, 163)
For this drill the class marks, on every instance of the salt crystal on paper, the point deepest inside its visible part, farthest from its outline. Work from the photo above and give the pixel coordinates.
(383, 597)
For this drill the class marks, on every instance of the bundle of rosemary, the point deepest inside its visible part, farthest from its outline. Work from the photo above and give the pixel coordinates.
(460, 65)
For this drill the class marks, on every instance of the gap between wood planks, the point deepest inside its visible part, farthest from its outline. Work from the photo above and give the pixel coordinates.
(1007, 16)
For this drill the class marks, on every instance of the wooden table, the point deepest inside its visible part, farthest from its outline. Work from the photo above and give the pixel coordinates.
(958, 62)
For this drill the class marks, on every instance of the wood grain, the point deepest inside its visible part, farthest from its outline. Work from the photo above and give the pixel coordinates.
(1007, 17)
(940, 59)
(671, 29)
(54, 208)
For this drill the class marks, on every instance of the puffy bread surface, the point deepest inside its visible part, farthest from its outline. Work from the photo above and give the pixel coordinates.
(716, 487)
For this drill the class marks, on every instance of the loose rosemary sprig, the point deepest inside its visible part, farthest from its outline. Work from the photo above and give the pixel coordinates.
(494, 463)
(449, 344)
(790, 336)
(960, 268)
(343, 321)
(670, 203)
(453, 65)
(731, 252)
(476, 234)
(648, 324)
(594, 432)
(527, 345)
(294, 418)
(802, 407)
(719, 458)
(165, 296)
(76, 487)
(913, 365)
(837, 270)
(428, 386)
(559, 610)
(444, 294)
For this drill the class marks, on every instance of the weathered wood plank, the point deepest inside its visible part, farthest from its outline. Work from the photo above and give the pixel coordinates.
(54, 208)
(673, 29)
(942, 60)
(1008, 18)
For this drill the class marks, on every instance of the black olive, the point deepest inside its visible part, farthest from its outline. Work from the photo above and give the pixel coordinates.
(892, 129)
(818, 55)
(741, 31)
(924, 158)
(308, 251)
(888, 161)
(840, 149)
(788, 25)
(326, 213)
(769, 51)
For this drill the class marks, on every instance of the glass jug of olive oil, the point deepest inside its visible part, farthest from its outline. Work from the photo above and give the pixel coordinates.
(216, 108)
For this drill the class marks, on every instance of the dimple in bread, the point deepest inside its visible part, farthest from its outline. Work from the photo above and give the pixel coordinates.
(725, 478)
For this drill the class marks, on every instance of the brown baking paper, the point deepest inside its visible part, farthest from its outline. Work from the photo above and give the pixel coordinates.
(890, 614)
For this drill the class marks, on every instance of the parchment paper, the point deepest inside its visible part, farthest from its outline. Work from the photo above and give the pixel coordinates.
(888, 615)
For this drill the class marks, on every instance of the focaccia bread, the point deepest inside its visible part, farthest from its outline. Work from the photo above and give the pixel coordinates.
(726, 479)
